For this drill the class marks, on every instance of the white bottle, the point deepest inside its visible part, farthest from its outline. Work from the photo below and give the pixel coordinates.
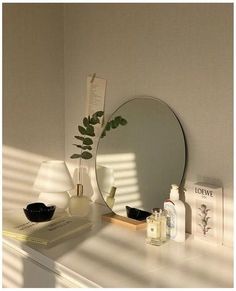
(176, 215)
(110, 200)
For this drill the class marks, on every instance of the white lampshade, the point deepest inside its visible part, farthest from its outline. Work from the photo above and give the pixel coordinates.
(53, 176)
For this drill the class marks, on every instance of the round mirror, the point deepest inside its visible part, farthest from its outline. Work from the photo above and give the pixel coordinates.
(140, 154)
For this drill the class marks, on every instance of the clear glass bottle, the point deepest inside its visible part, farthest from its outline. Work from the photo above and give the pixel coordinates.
(157, 229)
(154, 227)
(79, 205)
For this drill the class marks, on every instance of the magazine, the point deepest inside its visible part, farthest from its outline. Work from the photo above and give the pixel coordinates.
(17, 226)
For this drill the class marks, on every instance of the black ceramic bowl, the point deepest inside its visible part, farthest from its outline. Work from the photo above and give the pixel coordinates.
(39, 212)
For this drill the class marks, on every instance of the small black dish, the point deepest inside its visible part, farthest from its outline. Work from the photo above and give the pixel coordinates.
(39, 212)
(136, 213)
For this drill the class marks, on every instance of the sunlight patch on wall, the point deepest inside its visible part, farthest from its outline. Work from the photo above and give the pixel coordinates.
(128, 189)
(126, 174)
(112, 158)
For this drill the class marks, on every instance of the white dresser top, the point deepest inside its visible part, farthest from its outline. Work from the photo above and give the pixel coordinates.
(113, 256)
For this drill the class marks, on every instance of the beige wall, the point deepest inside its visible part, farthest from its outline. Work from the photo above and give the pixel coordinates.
(180, 53)
(33, 94)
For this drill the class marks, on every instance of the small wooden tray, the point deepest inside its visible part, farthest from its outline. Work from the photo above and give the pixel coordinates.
(125, 221)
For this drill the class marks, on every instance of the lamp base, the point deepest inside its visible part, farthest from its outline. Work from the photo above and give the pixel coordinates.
(59, 199)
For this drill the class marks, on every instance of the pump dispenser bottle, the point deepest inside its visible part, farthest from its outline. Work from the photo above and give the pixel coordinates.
(176, 215)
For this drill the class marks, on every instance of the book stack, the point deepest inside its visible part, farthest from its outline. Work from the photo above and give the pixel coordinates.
(17, 226)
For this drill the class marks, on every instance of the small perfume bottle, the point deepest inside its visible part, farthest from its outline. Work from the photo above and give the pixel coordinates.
(79, 205)
(110, 200)
(154, 227)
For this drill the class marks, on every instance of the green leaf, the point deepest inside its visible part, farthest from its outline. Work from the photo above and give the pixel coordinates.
(82, 130)
(94, 120)
(118, 119)
(123, 121)
(86, 121)
(88, 141)
(114, 124)
(83, 147)
(86, 155)
(108, 126)
(97, 119)
(79, 137)
(75, 156)
(99, 113)
(103, 133)
(87, 148)
(90, 130)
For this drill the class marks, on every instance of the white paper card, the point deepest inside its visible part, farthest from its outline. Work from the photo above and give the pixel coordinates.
(96, 91)
(207, 212)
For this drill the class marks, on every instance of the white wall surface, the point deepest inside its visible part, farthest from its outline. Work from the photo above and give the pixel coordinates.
(180, 53)
(33, 95)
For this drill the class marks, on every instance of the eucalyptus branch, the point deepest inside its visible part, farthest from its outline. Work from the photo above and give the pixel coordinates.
(114, 123)
(87, 133)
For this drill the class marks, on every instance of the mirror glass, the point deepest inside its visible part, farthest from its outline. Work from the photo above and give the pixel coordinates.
(142, 155)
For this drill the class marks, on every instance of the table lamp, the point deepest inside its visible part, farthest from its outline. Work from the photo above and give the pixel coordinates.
(53, 181)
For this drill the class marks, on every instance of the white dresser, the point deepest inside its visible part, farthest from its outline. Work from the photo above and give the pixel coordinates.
(112, 256)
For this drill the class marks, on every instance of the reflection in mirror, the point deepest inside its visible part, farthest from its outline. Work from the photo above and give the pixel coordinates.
(137, 163)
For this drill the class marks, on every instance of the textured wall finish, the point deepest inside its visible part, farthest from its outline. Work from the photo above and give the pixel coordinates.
(180, 53)
(33, 95)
